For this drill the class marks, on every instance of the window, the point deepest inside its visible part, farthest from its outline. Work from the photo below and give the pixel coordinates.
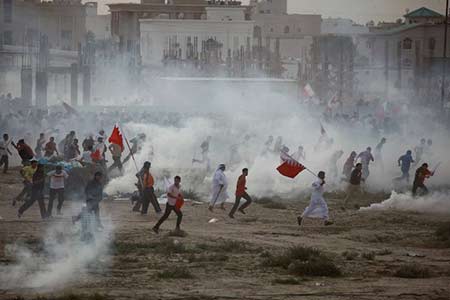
(286, 29)
(407, 44)
(66, 35)
(7, 11)
(299, 29)
(271, 29)
(7, 37)
(432, 43)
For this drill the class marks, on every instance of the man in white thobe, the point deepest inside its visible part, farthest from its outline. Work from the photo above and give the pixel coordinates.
(317, 208)
(219, 188)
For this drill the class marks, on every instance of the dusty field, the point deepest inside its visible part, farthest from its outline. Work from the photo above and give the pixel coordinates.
(228, 259)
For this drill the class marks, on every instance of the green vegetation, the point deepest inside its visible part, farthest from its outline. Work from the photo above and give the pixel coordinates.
(350, 255)
(226, 246)
(164, 246)
(413, 271)
(217, 257)
(175, 273)
(287, 281)
(302, 261)
(384, 252)
(368, 255)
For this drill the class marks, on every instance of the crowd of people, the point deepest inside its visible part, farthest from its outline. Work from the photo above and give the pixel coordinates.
(48, 160)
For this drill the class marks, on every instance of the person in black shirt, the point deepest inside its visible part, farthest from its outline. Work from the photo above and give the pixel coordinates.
(354, 186)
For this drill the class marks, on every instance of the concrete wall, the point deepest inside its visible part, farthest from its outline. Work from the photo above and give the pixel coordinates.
(155, 36)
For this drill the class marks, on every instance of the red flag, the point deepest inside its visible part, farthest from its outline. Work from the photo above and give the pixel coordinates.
(180, 202)
(290, 168)
(116, 137)
(308, 91)
(96, 156)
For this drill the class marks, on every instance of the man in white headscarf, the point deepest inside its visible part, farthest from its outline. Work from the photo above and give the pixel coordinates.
(317, 208)
(219, 188)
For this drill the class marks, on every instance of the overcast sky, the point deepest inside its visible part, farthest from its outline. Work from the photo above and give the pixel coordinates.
(360, 11)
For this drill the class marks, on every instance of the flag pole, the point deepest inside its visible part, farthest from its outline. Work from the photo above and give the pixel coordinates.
(132, 156)
(315, 175)
(129, 149)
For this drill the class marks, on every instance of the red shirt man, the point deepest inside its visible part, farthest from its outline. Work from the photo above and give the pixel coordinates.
(241, 193)
(421, 174)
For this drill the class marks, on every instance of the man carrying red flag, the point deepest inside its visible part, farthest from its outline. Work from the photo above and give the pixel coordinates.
(116, 148)
(290, 167)
(317, 208)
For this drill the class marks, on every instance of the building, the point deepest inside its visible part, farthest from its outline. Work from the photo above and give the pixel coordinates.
(339, 26)
(269, 7)
(98, 25)
(404, 60)
(289, 36)
(424, 15)
(125, 27)
(222, 32)
(24, 21)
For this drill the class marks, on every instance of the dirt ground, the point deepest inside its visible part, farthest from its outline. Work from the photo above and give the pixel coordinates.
(224, 260)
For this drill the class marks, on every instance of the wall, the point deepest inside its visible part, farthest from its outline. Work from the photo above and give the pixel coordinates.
(100, 25)
(155, 35)
(62, 22)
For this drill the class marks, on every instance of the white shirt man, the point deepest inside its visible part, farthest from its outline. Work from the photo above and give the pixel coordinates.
(57, 179)
(173, 193)
(317, 208)
(219, 188)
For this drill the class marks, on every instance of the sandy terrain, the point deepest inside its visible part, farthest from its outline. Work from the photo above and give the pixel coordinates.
(224, 260)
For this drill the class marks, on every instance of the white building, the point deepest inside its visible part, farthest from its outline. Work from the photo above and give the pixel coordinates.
(294, 33)
(339, 26)
(225, 26)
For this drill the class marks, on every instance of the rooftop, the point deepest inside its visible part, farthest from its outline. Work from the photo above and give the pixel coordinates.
(423, 12)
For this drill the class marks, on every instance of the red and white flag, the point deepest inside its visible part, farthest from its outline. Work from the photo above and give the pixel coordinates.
(116, 137)
(290, 168)
(308, 91)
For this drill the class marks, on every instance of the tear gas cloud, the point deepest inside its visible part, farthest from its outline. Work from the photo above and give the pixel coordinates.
(61, 259)
(229, 112)
(436, 202)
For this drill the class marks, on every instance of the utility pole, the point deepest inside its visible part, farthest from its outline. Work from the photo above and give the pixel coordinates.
(444, 57)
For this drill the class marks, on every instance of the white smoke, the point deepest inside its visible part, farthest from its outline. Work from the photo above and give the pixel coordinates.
(62, 258)
(436, 202)
(230, 115)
